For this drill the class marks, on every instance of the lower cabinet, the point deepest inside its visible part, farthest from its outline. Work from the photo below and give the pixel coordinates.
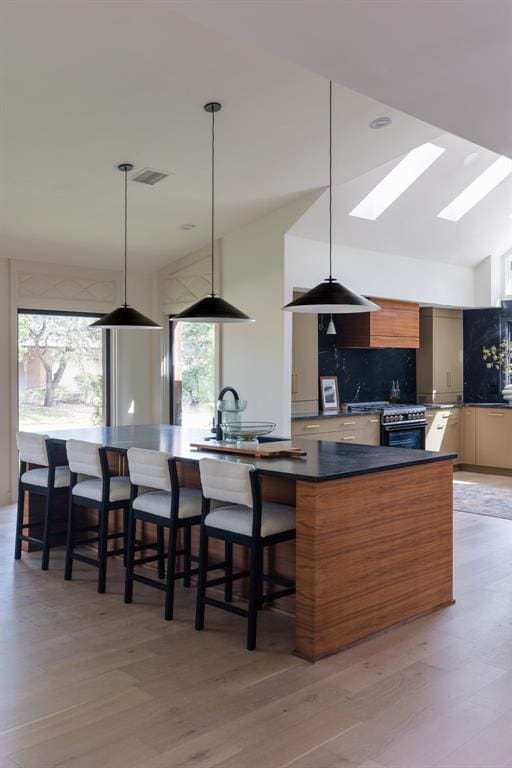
(364, 430)
(443, 431)
(468, 435)
(493, 438)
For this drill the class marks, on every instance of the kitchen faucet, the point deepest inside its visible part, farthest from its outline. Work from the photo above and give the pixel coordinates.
(217, 430)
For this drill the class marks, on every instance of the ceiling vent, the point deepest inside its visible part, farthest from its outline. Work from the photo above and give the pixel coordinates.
(149, 176)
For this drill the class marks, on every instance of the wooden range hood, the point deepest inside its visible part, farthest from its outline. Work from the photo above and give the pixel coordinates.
(396, 325)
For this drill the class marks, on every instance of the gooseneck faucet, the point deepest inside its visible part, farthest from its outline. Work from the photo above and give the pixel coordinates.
(218, 428)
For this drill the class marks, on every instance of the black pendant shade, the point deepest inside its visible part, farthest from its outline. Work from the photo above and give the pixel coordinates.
(212, 309)
(330, 296)
(125, 316)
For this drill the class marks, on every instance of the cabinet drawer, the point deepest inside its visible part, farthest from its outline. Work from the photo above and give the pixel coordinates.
(494, 438)
(312, 428)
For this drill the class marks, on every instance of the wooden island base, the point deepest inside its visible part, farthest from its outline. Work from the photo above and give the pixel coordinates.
(374, 546)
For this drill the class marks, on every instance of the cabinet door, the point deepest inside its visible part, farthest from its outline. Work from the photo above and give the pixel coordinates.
(443, 430)
(468, 447)
(305, 358)
(493, 438)
(448, 355)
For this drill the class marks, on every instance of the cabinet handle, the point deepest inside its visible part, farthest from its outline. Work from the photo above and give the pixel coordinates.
(348, 423)
(496, 415)
(312, 426)
(449, 378)
(374, 421)
(445, 415)
(352, 437)
(468, 413)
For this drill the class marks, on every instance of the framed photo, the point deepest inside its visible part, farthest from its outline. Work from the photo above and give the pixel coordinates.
(329, 393)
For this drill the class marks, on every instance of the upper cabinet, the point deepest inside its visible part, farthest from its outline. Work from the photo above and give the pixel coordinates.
(396, 324)
(439, 359)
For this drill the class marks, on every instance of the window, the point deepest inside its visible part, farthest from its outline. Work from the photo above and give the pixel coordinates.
(63, 371)
(192, 374)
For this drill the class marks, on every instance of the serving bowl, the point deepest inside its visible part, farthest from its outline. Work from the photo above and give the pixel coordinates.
(248, 431)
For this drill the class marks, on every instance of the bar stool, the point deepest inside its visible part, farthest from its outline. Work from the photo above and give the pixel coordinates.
(167, 506)
(48, 480)
(247, 521)
(98, 491)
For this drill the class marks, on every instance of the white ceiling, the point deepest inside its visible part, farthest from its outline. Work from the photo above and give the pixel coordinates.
(448, 62)
(88, 85)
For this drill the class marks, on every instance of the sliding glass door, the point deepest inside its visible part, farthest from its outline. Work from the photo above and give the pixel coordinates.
(192, 374)
(63, 371)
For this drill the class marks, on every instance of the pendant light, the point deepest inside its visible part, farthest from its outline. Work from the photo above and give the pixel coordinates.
(125, 316)
(331, 328)
(330, 296)
(212, 309)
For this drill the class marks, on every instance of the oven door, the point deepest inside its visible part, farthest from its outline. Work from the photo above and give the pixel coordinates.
(403, 436)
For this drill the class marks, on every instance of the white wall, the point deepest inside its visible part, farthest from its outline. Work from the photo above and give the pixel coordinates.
(5, 385)
(378, 274)
(256, 357)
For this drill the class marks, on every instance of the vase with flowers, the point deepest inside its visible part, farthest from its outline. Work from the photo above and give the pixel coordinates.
(500, 358)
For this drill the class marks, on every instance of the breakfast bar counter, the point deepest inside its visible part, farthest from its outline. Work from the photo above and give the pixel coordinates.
(374, 528)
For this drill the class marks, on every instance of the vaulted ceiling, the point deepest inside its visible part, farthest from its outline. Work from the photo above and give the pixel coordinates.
(89, 85)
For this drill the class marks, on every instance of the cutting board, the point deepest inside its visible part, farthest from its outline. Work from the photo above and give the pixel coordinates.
(262, 451)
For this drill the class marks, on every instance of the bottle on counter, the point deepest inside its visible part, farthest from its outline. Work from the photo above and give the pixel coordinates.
(398, 396)
(392, 394)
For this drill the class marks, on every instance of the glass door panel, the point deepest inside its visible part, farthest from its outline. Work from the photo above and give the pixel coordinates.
(192, 374)
(62, 371)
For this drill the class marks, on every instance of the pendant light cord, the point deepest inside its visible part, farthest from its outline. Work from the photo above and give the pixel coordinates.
(213, 201)
(330, 181)
(125, 231)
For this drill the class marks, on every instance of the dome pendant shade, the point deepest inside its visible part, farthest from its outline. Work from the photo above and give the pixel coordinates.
(331, 296)
(125, 317)
(212, 309)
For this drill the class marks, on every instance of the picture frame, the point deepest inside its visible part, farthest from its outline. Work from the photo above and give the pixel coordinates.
(329, 396)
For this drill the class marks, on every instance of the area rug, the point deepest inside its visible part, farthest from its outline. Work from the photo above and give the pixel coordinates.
(482, 500)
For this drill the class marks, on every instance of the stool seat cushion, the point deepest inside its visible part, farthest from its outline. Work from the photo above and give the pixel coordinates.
(275, 518)
(40, 477)
(159, 503)
(93, 488)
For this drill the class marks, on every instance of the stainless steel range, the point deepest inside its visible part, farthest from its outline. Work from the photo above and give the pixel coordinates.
(401, 426)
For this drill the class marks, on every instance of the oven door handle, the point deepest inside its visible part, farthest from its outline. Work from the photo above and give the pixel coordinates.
(404, 425)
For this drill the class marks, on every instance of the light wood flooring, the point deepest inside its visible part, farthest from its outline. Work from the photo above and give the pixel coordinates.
(88, 682)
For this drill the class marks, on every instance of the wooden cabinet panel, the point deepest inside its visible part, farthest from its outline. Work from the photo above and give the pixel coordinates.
(305, 360)
(443, 431)
(396, 324)
(468, 436)
(493, 438)
(358, 429)
(439, 376)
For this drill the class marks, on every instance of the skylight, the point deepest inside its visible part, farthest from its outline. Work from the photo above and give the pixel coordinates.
(403, 175)
(478, 189)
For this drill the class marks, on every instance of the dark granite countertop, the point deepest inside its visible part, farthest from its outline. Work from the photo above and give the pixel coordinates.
(332, 414)
(437, 406)
(325, 460)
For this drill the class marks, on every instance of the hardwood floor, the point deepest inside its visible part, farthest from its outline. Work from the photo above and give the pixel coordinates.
(88, 682)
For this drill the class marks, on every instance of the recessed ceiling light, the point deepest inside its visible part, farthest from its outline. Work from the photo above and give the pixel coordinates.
(381, 122)
(397, 181)
(478, 189)
(187, 226)
(470, 159)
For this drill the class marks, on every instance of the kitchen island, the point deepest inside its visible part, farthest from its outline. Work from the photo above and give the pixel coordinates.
(374, 528)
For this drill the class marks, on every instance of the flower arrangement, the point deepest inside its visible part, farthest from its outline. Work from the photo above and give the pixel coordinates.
(500, 357)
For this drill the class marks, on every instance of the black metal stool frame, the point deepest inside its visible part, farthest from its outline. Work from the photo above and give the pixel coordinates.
(49, 492)
(256, 545)
(104, 507)
(173, 525)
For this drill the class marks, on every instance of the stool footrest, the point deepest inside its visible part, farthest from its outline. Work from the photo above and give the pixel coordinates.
(147, 581)
(227, 579)
(226, 606)
(279, 593)
(280, 581)
(85, 559)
